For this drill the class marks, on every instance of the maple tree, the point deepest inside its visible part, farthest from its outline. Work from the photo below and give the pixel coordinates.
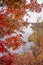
(11, 19)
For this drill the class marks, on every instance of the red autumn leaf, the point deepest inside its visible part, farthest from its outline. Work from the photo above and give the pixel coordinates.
(1, 46)
(14, 41)
(9, 60)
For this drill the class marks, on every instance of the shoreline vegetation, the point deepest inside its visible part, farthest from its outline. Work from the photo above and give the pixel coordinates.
(37, 38)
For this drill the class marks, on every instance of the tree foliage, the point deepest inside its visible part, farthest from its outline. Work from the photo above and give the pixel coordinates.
(37, 38)
(11, 19)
